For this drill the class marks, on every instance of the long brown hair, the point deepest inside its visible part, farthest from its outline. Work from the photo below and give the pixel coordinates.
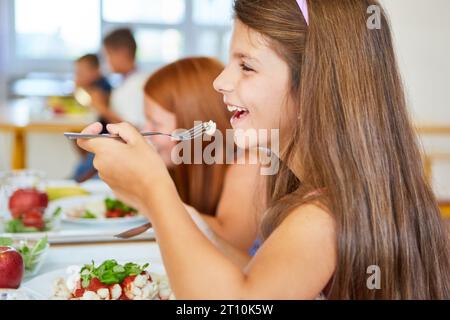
(353, 140)
(185, 89)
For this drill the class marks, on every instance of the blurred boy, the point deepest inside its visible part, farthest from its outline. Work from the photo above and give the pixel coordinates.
(88, 77)
(88, 74)
(127, 100)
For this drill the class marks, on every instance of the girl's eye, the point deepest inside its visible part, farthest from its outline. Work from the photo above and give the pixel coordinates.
(246, 68)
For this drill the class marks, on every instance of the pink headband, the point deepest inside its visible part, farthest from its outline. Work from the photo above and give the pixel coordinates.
(303, 5)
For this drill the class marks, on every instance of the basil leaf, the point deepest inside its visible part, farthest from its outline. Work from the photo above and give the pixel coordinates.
(119, 269)
(110, 272)
(109, 277)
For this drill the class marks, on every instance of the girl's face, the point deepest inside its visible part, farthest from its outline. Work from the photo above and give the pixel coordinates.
(160, 120)
(256, 82)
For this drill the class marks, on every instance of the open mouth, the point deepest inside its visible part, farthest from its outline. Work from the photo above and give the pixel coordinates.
(239, 113)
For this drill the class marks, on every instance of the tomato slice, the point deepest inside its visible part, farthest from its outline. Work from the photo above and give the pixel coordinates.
(79, 293)
(34, 219)
(112, 214)
(96, 285)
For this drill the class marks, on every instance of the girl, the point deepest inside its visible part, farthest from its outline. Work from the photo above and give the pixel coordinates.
(350, 196)
(175, 96)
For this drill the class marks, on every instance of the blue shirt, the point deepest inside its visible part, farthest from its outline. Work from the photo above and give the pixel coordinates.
(254, 249)
(103, 84)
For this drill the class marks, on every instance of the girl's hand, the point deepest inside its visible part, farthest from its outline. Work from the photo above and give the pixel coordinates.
(130, 166)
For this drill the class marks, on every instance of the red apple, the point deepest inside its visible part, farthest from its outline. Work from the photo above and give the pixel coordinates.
(11, 268)
(26, 199)
(33, 218)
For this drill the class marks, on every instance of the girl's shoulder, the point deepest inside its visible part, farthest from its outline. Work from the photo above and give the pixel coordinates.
(312, 217)
(304, 241)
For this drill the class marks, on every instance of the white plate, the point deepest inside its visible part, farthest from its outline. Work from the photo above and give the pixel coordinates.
(90, 235)
(20, 294)
(74, 202)
(42, 285)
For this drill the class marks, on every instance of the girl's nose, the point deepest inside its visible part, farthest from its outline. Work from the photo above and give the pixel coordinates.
(223, 83)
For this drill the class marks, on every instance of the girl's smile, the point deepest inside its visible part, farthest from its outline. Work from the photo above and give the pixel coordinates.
(239, 114)
(254, 85)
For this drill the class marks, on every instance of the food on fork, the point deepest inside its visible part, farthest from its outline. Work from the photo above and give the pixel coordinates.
(211, 128)
(112, 281)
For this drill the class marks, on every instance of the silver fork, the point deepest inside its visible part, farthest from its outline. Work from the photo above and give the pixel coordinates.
(191, 134)
(134, 232)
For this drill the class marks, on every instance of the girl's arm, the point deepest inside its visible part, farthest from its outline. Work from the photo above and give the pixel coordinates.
(240, 257)
(100, 102)
(296, 261)
(236, 221)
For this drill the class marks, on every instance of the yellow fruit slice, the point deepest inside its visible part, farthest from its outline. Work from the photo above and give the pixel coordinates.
(55, 193)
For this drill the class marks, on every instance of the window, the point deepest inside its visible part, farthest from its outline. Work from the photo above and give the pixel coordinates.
(54, 29)
(50, 30)
(212, 12)
(144, 11)
(159, 45)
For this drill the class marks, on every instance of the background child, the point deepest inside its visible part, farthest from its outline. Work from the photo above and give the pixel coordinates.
(127, 100)
(88, 76)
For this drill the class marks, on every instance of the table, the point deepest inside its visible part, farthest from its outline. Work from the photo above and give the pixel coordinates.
(20, 117)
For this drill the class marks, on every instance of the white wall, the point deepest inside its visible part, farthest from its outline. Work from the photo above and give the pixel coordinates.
(4, 139)
(422, 35)
(3, 48)
(53, 154)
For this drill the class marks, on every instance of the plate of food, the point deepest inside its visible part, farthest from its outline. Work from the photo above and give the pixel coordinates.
(97, 210)
(29, 212)
(109, 280)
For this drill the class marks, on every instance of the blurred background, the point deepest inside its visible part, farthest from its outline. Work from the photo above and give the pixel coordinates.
(40, 39)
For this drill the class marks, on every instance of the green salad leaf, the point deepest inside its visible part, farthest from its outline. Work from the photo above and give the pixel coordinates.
(6, 242)
(31, 255)
(113, 204)
(17, 226)
(89, 215)
(55, 215)
(109, 272)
